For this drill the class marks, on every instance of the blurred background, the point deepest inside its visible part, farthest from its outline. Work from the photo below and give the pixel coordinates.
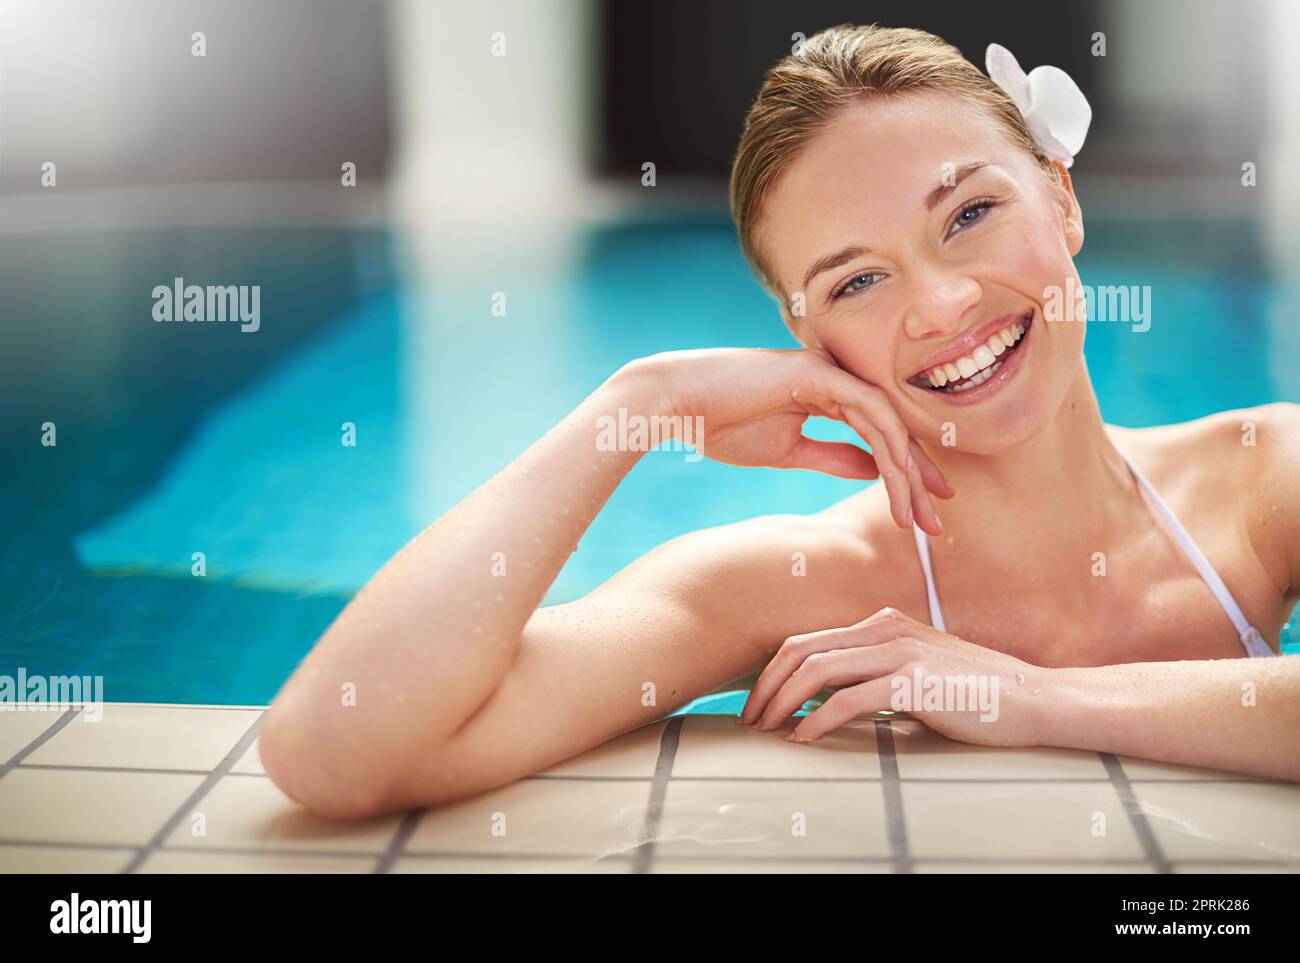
(442, 206)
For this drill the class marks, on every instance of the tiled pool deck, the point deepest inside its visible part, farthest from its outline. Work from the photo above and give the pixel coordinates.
(158, 788)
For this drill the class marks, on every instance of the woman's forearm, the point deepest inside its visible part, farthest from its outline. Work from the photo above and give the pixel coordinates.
(429, 638)
(1240, 715)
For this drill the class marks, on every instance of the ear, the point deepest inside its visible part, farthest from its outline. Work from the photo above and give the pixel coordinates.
(1071, 214)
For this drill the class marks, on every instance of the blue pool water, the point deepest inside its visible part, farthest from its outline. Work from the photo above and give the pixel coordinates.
(180, 439)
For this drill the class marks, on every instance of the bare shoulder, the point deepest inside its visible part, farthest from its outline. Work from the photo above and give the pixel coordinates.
(1246, 460)
(780, 574)
(1243, 445)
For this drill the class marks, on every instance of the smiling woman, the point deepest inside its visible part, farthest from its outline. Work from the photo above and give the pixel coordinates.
(894, 200)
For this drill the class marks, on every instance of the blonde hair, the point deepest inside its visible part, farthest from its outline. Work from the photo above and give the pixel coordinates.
(807, 90)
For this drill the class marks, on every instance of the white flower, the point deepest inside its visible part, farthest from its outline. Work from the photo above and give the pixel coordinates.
(1055, 110)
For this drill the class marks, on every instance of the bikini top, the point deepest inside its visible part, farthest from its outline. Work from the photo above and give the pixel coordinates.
(1254, 642)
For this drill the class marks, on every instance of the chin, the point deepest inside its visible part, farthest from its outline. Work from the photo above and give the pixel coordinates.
(1001, 431)
(1001, 424)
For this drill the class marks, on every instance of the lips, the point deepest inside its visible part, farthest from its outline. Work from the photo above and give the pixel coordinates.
(976, 358)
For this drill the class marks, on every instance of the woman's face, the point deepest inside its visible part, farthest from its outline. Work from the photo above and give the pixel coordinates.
(916, 232)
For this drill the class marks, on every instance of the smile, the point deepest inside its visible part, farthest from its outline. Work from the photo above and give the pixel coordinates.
(997, 354)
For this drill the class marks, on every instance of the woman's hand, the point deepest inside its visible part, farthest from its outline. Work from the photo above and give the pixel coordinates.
(891, 662)
(753, 403)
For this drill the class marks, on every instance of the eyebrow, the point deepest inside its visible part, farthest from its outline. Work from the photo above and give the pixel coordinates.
(932, 200)
(832, 261)
(943, 190)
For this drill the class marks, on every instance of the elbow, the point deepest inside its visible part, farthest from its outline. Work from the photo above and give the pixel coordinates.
(311, 770)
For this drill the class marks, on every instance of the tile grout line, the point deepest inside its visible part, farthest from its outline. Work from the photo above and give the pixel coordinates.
(45, 735)
(892, 790)
(397, 845)
(1136, 817)
(233, 756)
(668, 743)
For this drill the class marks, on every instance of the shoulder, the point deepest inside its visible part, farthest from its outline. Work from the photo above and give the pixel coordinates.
(1240, 443)
(1246, 460)
(805, 572)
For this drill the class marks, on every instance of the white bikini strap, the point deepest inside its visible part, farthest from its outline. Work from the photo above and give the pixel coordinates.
(923, 550)
(1250, 636)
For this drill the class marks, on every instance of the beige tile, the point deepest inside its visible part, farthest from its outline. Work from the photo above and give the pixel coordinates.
(18, 729)
(246, 812)
(540, 816)
(1144, 769)
(925, 754)
(632, 755)
(982, 867)
(173, 861)
(250, 761)
(1236, 821)
(714, 747)
(510, 865)
(1017, 820)
(145, 737)
(775, 820)
(743, 867)
(1233, 868)
(62, 859)
(41, 805)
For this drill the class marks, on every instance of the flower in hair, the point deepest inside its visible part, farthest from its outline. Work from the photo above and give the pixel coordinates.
(1055, 110)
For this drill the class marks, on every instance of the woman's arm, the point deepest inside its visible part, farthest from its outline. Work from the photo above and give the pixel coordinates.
(442, 677)
(1239, 715)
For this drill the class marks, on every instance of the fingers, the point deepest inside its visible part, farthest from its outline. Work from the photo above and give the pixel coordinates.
(835, 668)
(934, 480)
(886, 625)
(909, 475)
(789, 657)
(923, 506)
(847, 391)
(833, 458)
(869, 411)
(844, 706)
(896, 482)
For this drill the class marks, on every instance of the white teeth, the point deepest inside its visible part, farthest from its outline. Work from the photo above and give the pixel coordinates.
(979, 379)
(979, 364)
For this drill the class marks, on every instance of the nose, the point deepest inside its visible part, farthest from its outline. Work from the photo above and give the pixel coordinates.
(940, 297)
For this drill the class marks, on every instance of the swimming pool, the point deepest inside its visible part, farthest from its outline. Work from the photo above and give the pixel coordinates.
(178, 439)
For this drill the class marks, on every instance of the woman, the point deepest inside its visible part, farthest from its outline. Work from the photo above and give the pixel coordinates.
(912, 225)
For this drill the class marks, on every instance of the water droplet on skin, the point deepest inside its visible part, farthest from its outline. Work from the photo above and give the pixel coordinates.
(1036, 691)
(1020, 678)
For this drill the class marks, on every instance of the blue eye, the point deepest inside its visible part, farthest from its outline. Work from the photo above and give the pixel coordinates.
(853, 286)
(970, 213)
